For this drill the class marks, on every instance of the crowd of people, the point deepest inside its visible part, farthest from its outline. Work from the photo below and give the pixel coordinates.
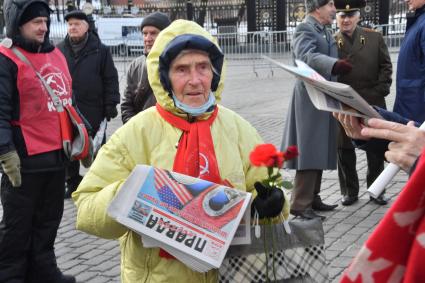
(172, 117)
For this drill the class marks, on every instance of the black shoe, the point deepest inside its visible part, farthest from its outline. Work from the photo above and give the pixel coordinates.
(321, 206)
(307, 214)
(349, 200)
(63, 278)
(67, 279)
(381, 200)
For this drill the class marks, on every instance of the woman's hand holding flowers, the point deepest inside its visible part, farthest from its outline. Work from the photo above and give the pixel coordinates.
(270, 198)
(268, 202)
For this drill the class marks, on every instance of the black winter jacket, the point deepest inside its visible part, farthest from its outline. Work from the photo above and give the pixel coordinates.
(11, 137)
(94, 78)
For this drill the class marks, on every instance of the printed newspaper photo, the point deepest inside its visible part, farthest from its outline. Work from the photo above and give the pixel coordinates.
(194, 220)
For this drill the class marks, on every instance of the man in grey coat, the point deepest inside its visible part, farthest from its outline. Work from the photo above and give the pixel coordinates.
(312, 130)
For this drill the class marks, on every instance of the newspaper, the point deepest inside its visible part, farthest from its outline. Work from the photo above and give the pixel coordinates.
(339, 97)
(98, 138)
(329, 96)
(192, 219)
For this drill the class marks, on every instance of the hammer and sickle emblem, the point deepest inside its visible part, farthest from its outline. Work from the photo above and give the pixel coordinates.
(204, 168)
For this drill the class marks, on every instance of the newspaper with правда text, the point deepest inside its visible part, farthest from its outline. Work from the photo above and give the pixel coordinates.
(329, 96)
(192, 219)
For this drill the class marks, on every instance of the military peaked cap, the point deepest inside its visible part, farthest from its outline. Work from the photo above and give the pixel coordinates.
(349, 5)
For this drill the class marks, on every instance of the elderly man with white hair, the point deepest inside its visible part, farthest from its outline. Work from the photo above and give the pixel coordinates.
(94, 80)
(312, 130)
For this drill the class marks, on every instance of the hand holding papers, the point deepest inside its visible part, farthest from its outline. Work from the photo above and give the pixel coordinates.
(327, 95)
(192, 219)
(340, 98)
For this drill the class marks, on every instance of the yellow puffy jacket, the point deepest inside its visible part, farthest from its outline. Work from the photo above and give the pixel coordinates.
(148, 139)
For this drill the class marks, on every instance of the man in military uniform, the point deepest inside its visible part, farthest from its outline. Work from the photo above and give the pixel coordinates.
(371, 78)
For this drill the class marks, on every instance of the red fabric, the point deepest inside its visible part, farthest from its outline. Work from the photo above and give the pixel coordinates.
(38, 119)
(195, 153)
(195, 207)
(75, 138)
(395, 251)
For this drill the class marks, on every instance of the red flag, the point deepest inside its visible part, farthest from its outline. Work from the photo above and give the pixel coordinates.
(395, 251)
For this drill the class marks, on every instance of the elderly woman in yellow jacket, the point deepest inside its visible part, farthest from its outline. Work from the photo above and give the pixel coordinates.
(186, 132)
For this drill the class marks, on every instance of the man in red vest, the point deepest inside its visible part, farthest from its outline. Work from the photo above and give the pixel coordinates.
(31, 155)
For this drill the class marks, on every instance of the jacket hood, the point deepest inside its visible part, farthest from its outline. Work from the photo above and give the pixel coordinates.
(161, 48)
(13, 10)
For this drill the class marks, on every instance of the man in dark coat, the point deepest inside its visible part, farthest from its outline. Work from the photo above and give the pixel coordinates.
(94, 80)
(312, 130)
(32, 159)
(138, 94)
(371, 78)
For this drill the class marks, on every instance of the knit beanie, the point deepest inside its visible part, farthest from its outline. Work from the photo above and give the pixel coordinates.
(156, 19)
(312, 5)
(34, 10)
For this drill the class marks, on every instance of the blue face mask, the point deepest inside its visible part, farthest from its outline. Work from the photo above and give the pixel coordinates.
(195, 111)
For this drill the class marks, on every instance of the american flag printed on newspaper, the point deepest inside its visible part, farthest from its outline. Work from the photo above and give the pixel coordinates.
(169, 191)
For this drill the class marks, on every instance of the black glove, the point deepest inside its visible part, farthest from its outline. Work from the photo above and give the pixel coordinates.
(110, 112)
(342, 67)
(268, 202)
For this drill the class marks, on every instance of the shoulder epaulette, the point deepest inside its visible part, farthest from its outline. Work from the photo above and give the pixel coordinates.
(370, 30)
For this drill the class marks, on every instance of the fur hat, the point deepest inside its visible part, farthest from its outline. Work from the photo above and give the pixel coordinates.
(312, 5)
(349, 5)
(156, 19)
(76, 14)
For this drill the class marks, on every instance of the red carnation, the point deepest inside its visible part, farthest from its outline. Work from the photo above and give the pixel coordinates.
(266, 155)
(291, 152)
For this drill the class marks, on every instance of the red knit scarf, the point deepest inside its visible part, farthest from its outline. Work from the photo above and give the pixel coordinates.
(195, 152)
(395, 251)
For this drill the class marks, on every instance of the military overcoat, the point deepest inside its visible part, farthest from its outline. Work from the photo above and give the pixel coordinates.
(312, 130)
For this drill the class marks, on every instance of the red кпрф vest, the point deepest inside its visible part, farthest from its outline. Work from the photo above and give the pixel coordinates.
(38, 118)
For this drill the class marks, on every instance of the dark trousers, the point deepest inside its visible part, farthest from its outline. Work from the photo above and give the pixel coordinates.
(73, 172)
(347, 172)
(306, 189)
(31, 218)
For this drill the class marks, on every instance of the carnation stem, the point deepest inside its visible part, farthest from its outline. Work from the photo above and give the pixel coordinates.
(273, 250)
(266, 254)
(270, 173)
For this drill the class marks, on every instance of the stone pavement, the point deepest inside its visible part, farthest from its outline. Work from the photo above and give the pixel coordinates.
(263, 101)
